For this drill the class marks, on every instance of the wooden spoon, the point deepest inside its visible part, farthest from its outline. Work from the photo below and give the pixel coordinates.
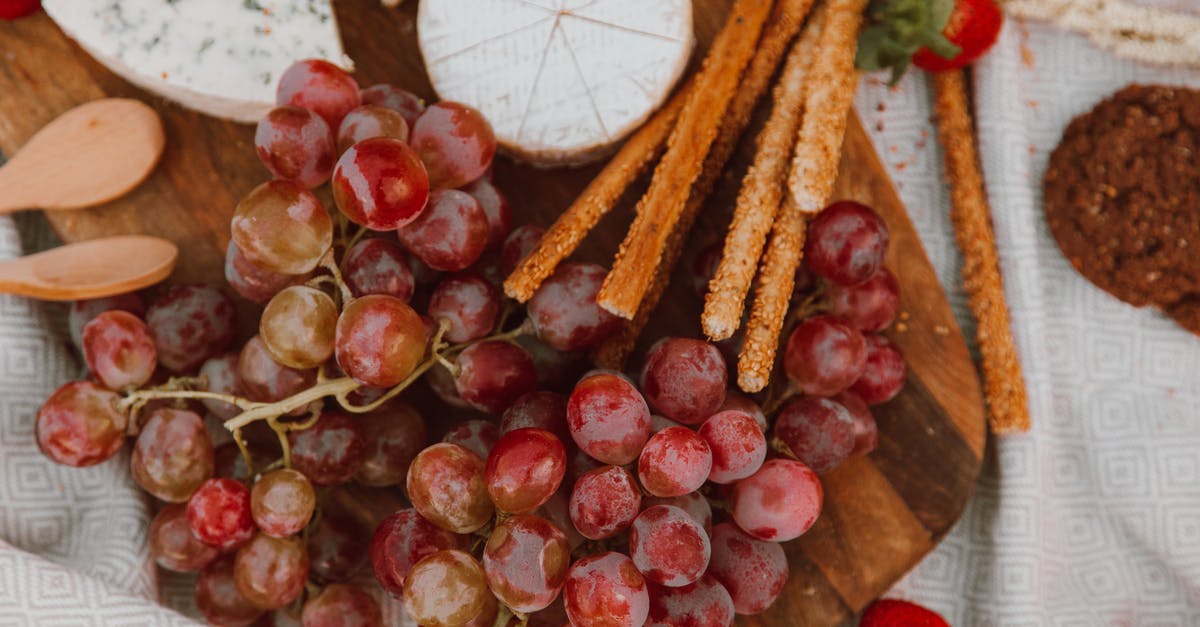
(91, 269)
(88, 155)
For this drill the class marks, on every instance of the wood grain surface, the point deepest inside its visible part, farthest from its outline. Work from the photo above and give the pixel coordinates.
(882, 514)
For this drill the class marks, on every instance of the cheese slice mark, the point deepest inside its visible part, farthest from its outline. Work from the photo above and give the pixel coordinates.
(220, 57)
(561, 81)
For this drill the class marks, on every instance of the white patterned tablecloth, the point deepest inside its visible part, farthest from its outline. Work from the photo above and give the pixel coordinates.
(1093, 518)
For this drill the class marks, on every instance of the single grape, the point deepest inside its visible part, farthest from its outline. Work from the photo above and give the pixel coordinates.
(375, 265)
(455, 142)
(526, 560)
(736, 401)
(883, 377)
(251, 282)
(341, 604)
(394, 434)
(494, 373)
(338, 546)
(557, 510)
(446, 486)
(556, 370)
(684, 379)
(220, 373)
(470, 304)
(608, 418)
(737, 443)
(270, 572)
(330, 451)
(824, 356)
(404, 102)
(868, 306)
(779, 502)
(172, 544)
(692, 503)
(281, 227)
(367, 121)
(604, 502)
(519, 243)
(218, 597)
(606, 589)
(668, 546)
(379, 340)
(675, 461)
(846, 243)
(173, 455)
(219, 513)
(524, 470)
(496, 207)
(477, 436)
(319, 86)
(818, 431)
(564, 312)
(80, 424)
(81, 312)
(380, 183)
(486, 616)
(282, 502)
(704, 267)
(265, 380)
(191, 323)
(296, 145)
(754, 572)
(544, 410)
(445, 588)
(866, 432)
(705, 603)
(119, 350)
(402, 540)
(450, 234)
(297, 326)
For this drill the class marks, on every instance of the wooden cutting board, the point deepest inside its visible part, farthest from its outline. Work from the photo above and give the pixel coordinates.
(882, 513)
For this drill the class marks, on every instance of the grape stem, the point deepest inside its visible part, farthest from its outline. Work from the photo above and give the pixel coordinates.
(329, 262)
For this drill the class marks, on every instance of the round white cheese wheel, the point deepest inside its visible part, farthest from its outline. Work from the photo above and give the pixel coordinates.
(561, 81)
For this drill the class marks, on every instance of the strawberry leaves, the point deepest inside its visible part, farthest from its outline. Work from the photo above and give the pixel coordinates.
(898, 29)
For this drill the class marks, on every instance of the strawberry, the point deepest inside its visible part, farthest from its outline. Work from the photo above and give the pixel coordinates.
(12, 9)
(936, 35)
(897, 613)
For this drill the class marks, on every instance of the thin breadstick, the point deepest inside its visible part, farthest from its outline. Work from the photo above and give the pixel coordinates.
(781, 29)
(659, 210)
(1004, 384)
(762, 188)
(596, 200)
(826, 105)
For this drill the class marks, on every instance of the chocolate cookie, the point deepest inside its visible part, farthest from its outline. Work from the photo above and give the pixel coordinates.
(1122, 197)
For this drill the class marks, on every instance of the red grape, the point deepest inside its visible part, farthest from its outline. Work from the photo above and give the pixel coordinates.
(779, 502)
(219, 513)
(337, 547)
(866, 432)
(319, 86)
(868, 306)
(191, 323)
(402, 101)
(81, 312)
(668, 546)
(380, 183)
(608, 418)
(754, 572)
(496, 207)
(173, 455)
(330, 451)
(824, 356)
(119, 350)
(281, 227)
(220, 373)
(674, 462)
(883, 377)
(379, 340)
(738, 445)
(394, 435)
(468, 303)
(693, 503)
(297, 326)
(341, 604)
(493, 374)
(705, 603)
(250, 281)
(818, 431)
(526, 560)
(402, 540)
(684, 379)
(606, 589)
(445, 588)
(519, 243)
(704, 267)
(270, 572)
(450, 234)
(736, 401)
(486, 616)
(80, 424)
(446, 486)
(564, 312)
(555, 369)
(367, 121)
(846, 243)
(376, 265)
(455, 142)
(524, 470)
(172, 544)
(441, 382)
(604, 502)
(295, 144)
(544, 410)
(282, 502)
(477, 436)
(263, 379)
(218, 597)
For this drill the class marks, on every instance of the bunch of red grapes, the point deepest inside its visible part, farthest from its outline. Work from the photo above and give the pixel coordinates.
(590, 500)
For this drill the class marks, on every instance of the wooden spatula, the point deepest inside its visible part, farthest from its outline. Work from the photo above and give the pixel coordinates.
(91, 269)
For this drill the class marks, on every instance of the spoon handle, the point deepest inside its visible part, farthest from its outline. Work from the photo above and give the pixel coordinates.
(14, 194)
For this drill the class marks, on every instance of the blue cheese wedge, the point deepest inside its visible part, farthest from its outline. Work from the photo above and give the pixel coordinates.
(220, 57)
(561, 81)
